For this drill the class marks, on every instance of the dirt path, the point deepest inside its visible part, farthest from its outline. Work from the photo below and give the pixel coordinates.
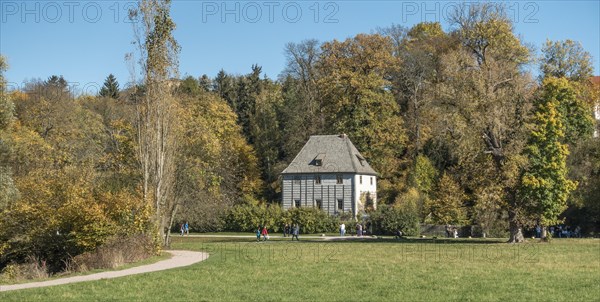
(179, 259)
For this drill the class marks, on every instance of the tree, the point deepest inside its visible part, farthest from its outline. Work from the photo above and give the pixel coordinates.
(8, 190)
(544, 185)
(216, 167)
(566, 59)
(487, 97)
(357, 101)
(447, 206)
(110, 89)
(157, 109)
(7, 107)
(302, 113)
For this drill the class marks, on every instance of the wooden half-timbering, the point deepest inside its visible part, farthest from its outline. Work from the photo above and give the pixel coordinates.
(319, 190)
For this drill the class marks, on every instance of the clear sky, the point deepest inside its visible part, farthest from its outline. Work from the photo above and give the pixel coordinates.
(85, 41)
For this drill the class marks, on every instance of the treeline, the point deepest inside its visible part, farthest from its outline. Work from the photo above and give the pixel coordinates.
(453, 121)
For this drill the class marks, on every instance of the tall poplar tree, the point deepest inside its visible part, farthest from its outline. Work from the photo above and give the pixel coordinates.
(157, 109)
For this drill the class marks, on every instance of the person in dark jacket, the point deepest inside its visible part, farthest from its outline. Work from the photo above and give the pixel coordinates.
(295, 232)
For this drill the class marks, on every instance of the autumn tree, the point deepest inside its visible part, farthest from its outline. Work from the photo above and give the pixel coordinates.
(8, 190)
(216, 167)
(156, 108)
(447, 206)
(358, 102)
(566, 59)
(487, 97)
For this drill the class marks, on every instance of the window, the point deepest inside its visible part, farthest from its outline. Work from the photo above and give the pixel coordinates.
(360, 179)
(319, 203)
(339, 179)
(317, 179)
(319, 159)
(296, 180)
(340, 205)
(297, 203)
(371, 180)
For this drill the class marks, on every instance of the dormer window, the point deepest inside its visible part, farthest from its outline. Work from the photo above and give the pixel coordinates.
(318, 161)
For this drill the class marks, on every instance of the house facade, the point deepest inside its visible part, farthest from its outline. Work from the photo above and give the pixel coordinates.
(329, 173)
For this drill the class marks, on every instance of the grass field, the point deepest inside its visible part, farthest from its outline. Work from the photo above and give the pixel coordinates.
(369, 270)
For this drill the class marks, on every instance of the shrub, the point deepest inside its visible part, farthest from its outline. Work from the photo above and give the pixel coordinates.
(117, 251)
(388, 219)
(34, 268)
(245, 218)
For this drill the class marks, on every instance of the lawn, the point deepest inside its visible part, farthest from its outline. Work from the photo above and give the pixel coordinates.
(411, 270)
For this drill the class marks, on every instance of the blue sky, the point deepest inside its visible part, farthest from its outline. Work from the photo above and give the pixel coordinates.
(85, 41)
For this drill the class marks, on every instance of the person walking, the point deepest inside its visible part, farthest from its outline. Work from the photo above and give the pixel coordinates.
(181, 229)
(265, 233)
(295, 232)
(258, 233)
(186, 227)
(359, 230)
(286, 230)
(342, 230)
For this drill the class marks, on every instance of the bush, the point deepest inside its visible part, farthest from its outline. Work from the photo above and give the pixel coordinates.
(246, 218)
(34, 268)
(116, 252)
(388, 219)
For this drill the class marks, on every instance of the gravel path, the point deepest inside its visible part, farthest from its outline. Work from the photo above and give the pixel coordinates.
(179, 259)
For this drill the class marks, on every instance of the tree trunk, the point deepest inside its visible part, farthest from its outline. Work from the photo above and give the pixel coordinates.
(544, 235)
(516, 234)
(169, 226)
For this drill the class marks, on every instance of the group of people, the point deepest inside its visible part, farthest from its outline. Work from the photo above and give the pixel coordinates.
(451, 231)
(560, 231)
(288, 230)
(291, 230)
(184, 228)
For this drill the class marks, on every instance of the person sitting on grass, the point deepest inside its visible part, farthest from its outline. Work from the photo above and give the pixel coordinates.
(398, 234)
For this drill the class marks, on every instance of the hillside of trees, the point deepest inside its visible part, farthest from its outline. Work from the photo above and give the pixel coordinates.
(452, 119)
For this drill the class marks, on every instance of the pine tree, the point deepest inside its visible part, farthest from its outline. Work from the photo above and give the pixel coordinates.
(110, 89)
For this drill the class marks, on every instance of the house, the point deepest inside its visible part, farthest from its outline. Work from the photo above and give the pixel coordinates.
(329, 173)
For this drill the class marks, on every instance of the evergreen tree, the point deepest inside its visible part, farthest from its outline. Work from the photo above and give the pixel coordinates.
(110, 89)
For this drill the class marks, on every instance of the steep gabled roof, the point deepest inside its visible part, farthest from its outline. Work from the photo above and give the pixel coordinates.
(329, 154)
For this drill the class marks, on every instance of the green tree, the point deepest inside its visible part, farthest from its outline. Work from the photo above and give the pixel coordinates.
(110, 89)
(544, 185)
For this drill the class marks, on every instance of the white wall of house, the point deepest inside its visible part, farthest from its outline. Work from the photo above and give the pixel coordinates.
(364, 184)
